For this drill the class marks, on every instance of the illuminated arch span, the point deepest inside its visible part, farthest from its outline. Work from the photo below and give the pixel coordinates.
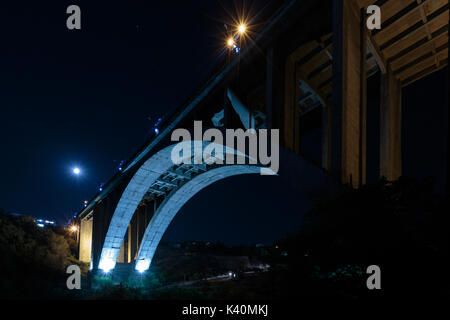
(171, 205)
(152, 178)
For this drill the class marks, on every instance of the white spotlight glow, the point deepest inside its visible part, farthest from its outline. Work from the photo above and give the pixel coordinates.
(106, 265)
(142, 265)
(242, 28)
(76, 171)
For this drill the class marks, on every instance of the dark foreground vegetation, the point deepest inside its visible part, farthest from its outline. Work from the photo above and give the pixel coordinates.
(401, 227)
(33, 259)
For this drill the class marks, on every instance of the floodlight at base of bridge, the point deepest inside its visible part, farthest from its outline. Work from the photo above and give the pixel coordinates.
(106, 265)
(142, 265)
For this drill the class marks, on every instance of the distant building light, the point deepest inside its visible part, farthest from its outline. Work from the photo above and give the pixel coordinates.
(100, 189)
(156, 130)
(40, 225)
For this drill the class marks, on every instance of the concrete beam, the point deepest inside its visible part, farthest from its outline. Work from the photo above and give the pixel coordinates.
(376, 52)
(247, 119)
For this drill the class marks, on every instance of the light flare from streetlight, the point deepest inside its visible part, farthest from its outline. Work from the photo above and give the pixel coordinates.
(242, 28)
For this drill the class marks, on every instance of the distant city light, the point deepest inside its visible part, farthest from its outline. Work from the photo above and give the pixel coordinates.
(156, 130)
(42, 223)
(76, 171)
(100, 189)
(73, 228)
(230, 42)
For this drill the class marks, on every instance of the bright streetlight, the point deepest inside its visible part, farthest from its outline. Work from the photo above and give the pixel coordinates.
(242, 28)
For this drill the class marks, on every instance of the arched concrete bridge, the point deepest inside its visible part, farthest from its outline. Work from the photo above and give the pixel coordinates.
(306, 69)
(172, 185)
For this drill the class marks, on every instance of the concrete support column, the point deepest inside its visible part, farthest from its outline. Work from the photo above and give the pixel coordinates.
(121, 258)
(102, 218)
(129, 257)
(390, 127)
(291, 123)
(326, 137)
(348, 123)
(85, 244)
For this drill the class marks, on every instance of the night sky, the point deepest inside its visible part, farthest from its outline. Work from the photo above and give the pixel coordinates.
(89, 98)
(84, 98)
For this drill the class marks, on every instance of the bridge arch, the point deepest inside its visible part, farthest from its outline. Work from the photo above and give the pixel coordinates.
(177, 183)
(172, 205)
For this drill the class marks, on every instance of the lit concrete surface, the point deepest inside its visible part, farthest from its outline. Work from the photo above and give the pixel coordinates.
(133, 194)
(85, 240)
(131, 197)
(173, 203)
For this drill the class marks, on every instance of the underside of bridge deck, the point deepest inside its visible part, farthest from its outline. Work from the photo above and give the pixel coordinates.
(314, 57)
